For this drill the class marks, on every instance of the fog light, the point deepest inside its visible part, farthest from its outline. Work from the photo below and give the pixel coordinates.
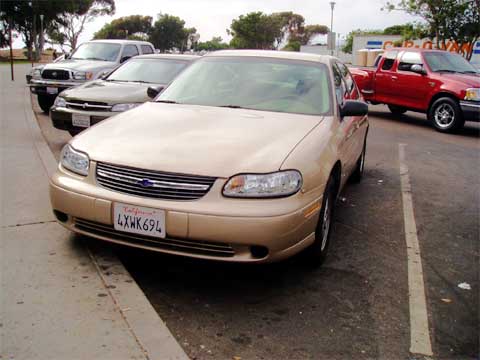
(62, 217)
(259, 252)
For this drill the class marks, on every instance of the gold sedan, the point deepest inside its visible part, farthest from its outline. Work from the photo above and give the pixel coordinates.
(240, 159)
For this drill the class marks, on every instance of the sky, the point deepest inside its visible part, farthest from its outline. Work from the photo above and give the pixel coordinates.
(213, 17)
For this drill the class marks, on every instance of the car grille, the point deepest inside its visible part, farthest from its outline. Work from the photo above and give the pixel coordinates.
(152, 184)
(55, 74)
(88, 105)
(181, 245)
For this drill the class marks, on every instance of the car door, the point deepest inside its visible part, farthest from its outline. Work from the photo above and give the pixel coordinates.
(346, 128)
(412, 89)
(384, 86)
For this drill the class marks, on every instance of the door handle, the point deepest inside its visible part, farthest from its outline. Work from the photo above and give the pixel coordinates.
(394, 78)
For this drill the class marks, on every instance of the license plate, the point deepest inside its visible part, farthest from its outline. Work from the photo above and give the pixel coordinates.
(81, 120)
(52, 90)
(139, 220)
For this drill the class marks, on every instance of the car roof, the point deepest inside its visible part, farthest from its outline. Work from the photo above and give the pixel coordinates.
(168, 56)
(289, 55)
(120, 41)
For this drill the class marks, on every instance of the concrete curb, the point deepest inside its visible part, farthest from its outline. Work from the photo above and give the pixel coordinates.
(143, 322)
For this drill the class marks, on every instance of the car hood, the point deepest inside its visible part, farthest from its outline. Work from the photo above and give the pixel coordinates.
(110, 92)
(467, 79)
(81, 65)
(199, 140)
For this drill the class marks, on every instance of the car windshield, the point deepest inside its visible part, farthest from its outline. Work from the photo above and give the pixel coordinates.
(449, 62)
(257, 83)
(97, 51)
(158, 71)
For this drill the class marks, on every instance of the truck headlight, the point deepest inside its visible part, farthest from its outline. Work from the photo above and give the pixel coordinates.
(124, 107)
(277, 184)
(473, 94)
(60, 102)
(37, 74)
(82, 75)
(74, 160)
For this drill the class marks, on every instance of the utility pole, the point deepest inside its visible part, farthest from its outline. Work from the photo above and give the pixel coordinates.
(10, 24)
(40, 38)
(332, 41)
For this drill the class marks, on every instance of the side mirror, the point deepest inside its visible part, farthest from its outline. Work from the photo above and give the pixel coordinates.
(125, 58)
(354, 108)
(417, 68)
(153, 91)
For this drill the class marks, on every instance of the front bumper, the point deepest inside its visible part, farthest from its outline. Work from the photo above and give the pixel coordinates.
(62, 118)
(39, 87)
(238, 230)
(470, 110)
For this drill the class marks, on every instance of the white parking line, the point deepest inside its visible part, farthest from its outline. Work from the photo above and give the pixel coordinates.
(419, 330)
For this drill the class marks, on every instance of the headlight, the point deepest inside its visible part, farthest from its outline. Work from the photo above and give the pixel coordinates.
(278, 184)
(82, 75)
(60, 102)
(74, 160)
(473, 94)
(124, 107)
(37, 74)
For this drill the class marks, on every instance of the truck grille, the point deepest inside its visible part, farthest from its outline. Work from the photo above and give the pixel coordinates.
(181, 245)
(55, 74)
(88, 105)
(152, 184)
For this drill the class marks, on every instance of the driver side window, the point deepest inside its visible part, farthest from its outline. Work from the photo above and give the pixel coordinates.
(408, 59)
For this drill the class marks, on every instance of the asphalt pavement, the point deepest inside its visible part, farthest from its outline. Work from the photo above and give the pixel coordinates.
(357, 304)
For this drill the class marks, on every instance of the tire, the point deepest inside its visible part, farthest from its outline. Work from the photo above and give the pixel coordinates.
(45, 102)
(397, 110)
(357, 174)
(317, 252)
(445, 115)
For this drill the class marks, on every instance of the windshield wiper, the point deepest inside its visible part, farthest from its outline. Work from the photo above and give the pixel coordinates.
(167, 101)
(446, 70)
(94, 58)
(470, 72)
(233, 106)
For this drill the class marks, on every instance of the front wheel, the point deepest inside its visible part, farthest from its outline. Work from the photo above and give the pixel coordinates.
(317, 252)
(445, 115)
(45, 102)
(397, 110)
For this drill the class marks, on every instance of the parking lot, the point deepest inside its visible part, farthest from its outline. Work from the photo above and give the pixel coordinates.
(357, 304)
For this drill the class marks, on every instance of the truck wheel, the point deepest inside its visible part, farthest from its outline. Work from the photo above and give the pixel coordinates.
(397, 110)
(317, 252)
(45, 102)
(445, 114)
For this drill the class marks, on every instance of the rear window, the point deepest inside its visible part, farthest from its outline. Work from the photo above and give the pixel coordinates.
(390, 57)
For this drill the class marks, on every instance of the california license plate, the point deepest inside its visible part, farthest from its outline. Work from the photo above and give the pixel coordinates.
(52, 90)
(139, 220)
(81, 120)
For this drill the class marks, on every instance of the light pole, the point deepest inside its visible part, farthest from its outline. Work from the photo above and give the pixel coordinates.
(41, 36)
(332, 41)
